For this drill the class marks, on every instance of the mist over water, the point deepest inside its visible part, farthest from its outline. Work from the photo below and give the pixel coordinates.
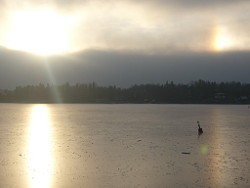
(66, 145)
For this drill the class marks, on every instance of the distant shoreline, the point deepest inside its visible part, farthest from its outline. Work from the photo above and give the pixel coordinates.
(197, 92)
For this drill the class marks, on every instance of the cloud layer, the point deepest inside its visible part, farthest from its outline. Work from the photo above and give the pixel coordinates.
(121, 69)
(159, 26)
(125, 42)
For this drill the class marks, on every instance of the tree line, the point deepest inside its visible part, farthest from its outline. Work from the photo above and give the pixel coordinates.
(196, 92)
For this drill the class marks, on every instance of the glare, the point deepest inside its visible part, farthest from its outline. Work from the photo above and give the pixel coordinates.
(222, 39)
(39, 150)
(203, 149)
(42, 32)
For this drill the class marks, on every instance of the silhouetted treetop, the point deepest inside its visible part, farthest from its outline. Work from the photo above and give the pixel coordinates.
(195, 92)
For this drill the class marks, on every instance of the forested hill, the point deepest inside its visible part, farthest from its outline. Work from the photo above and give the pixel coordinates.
(197, 92)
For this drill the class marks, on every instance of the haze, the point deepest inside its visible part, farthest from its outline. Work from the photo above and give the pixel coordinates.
(123, 42)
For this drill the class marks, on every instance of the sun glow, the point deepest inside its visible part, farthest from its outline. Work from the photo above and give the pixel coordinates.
(42, 32)
(222, 39)
(39, 149)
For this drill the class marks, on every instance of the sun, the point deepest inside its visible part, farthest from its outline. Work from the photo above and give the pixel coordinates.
(43, 32)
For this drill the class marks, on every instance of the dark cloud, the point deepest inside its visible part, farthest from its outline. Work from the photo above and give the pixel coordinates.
(121, 69)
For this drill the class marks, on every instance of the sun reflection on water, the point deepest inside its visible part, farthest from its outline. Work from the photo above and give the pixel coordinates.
(39, 148)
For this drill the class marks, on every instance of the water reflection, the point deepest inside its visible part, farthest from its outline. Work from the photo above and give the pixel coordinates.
(215, 151)
(39, 148)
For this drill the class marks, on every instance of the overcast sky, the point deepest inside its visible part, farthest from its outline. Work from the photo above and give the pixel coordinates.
(124, 41)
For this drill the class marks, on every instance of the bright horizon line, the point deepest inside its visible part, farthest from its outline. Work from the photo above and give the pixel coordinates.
(125, 51)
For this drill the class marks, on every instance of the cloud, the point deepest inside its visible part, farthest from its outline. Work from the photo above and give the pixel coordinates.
(194, 3)
(151, 26)
(179, 3)
(127, 42)
(2, 8)
(121, 68)
(160, 26)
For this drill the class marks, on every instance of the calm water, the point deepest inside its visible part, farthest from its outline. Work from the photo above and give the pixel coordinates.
(124, 146)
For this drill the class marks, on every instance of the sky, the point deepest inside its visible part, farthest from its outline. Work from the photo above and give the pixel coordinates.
(123, 42)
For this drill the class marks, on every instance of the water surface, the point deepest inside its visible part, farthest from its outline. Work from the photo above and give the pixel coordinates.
(110, 146)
